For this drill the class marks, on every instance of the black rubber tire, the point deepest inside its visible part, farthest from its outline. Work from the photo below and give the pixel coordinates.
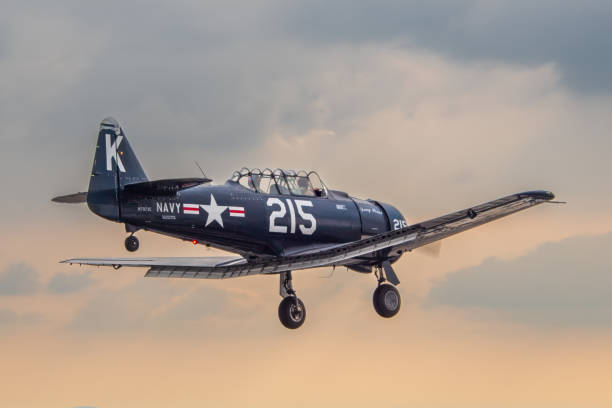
(289, 316)
(131, 243)
(387, 300)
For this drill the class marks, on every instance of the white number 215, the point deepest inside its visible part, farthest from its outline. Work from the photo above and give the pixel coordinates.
(282, 211)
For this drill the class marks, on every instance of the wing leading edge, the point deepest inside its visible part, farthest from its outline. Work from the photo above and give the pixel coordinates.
(392, 242)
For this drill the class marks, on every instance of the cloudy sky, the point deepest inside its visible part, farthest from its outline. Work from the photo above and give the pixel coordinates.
(432, 107)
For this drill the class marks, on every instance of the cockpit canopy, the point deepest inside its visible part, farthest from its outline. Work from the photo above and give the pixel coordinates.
(281, 182)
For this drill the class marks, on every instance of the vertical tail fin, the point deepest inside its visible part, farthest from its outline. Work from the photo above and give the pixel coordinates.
(115, 165)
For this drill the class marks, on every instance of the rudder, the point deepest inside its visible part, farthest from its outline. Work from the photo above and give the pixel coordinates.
(115, 165)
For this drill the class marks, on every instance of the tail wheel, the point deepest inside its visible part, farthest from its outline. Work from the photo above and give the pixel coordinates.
(131, 243)
(292, 312)
(387, 300)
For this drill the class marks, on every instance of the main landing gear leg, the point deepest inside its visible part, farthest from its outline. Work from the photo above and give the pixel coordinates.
(132, 243)
(291, 310)
(386, 298)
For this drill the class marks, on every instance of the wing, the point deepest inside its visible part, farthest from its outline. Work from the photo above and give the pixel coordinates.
(388, 243)
(454, 223)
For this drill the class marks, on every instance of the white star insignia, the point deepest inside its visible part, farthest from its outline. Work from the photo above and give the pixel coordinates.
(214, 212)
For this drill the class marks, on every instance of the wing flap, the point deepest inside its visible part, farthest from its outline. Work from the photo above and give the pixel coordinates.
(167, 271)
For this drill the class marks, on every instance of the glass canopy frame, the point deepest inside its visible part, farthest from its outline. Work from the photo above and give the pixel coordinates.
(281, 182)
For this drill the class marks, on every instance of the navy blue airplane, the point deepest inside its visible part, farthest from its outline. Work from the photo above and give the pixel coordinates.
(275, 221)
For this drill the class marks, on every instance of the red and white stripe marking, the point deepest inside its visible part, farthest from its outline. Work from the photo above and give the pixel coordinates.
(236, 211)
(191, 209)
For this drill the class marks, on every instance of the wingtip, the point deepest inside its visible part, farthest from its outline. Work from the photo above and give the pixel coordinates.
(548, 195)
(539, 194)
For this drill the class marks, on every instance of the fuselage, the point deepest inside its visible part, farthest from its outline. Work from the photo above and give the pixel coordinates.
(234, 218)
(255, 213)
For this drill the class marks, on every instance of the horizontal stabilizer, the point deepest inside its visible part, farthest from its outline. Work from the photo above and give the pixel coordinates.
(165, 187)
(75, 198)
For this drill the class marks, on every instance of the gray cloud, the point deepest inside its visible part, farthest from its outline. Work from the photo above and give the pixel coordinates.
(214, 81)
(19, 279)
(525, 32)
(62, 283)
(165, 70)
(23, 279)
(562, 283)
(10, 318)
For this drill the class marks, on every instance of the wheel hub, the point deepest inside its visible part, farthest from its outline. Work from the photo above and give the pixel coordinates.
(295, 312)
(391, 300)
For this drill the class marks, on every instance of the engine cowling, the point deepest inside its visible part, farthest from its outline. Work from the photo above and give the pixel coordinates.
(395, 218)
(377, 217)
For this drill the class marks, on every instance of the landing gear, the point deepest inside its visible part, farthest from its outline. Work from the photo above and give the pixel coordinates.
(386, 298)
(291, 310)
(131, 243)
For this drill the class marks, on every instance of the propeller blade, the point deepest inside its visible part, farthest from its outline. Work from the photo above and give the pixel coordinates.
(431, 250)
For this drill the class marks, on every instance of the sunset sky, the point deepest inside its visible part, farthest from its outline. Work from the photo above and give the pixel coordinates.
(431, 106)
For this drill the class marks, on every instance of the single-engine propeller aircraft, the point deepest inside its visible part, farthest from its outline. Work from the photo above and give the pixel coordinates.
(276, 222)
